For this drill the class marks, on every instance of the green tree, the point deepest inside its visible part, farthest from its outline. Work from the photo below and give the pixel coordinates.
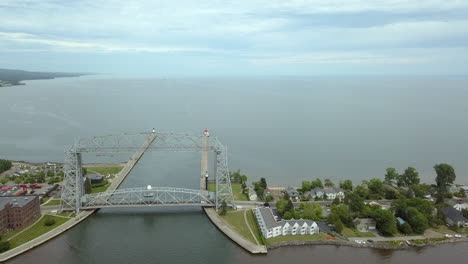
(18, 180)
(269, 198)
(5, 165)
(409, 177)
(3, 181)
(391, 176)
(87, 186)
(281, 205)
(417, 220)
(51, 173)
(4, 246)
(356, 202)
(329, 183)
(405, 228)
(288, 215)
(386, 222)
(339, 226)
(341, 212)
(445, 176)
(317, 183)
(336, 201)
(390, 194)
(362, 191)
(346, 185)
(223, 208)
(376, 188)
(306, 186)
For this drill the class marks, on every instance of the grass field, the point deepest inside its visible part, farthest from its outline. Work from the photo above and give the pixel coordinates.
(236, 191)
(279, 239)
(104, 171)
(100, 188)
(236, 220)
(253, 224)
(36, 230)
(348, 232)
(53, 202)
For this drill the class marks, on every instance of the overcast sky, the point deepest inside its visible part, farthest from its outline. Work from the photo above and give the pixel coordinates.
(251, 37)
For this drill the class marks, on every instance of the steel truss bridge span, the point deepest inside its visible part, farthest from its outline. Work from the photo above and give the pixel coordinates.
(73, 196)
(156, 196)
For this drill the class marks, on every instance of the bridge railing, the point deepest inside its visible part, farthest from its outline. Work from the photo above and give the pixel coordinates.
(145, 196)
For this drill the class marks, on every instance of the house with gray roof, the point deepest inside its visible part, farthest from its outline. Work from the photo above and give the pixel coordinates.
(364, 224)
(292, 193)
(271, 227)
(454, 217)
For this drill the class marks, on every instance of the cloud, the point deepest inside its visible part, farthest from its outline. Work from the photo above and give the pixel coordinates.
(256, 32)
(80, 46)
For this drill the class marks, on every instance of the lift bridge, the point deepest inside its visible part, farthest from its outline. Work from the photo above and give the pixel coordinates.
(73, 196)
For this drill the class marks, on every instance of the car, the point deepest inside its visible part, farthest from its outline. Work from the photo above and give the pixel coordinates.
(370, 240)
(458, 236)
(448, 236)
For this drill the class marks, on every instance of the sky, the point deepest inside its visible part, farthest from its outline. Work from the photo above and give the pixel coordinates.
(236, 38)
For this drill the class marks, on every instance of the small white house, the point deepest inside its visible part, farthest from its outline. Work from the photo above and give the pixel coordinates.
(461, 206)
(252, 195)
(272, 228)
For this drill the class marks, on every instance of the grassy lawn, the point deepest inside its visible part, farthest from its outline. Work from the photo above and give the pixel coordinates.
(348, 232)
(96, 189)
(444, 229)
(236, 191)
(104, 171)
(253, 224)
(36, 230)
(236, 220)
(279, 239)
(53, 202)
(45, 199)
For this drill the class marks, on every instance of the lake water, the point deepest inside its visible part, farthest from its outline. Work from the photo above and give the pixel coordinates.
(285, 130)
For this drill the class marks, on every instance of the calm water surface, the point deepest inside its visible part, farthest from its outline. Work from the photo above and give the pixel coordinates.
(285, 130)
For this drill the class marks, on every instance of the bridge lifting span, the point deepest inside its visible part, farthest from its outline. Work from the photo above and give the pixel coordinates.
(74, 199)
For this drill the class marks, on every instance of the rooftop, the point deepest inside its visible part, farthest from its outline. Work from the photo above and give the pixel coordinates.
(15, 201)
(453, 214)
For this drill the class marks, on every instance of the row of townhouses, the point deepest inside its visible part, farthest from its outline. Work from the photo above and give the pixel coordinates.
(327, 193)
(270, 227)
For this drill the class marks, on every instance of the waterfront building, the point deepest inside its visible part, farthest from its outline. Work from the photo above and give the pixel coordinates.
(271, 227)
(454, 217)
(18, 211)
(332, 193)
(316, 193)
(364, 224)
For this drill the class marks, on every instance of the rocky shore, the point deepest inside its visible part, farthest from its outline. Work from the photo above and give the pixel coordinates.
(376, 245)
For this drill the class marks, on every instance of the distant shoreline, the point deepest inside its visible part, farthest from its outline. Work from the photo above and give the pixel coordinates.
(15, 77)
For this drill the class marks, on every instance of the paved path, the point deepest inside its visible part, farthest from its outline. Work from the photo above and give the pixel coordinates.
(232, 234)
(250, 229)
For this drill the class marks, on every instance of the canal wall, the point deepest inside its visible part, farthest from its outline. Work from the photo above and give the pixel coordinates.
(232, 234)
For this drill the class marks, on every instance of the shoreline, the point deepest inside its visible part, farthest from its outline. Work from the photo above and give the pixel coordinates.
(369, 245)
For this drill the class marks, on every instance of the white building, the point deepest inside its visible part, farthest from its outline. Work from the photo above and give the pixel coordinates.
(270, 227)
(332, 193)
(252, 195)
(461, 206)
